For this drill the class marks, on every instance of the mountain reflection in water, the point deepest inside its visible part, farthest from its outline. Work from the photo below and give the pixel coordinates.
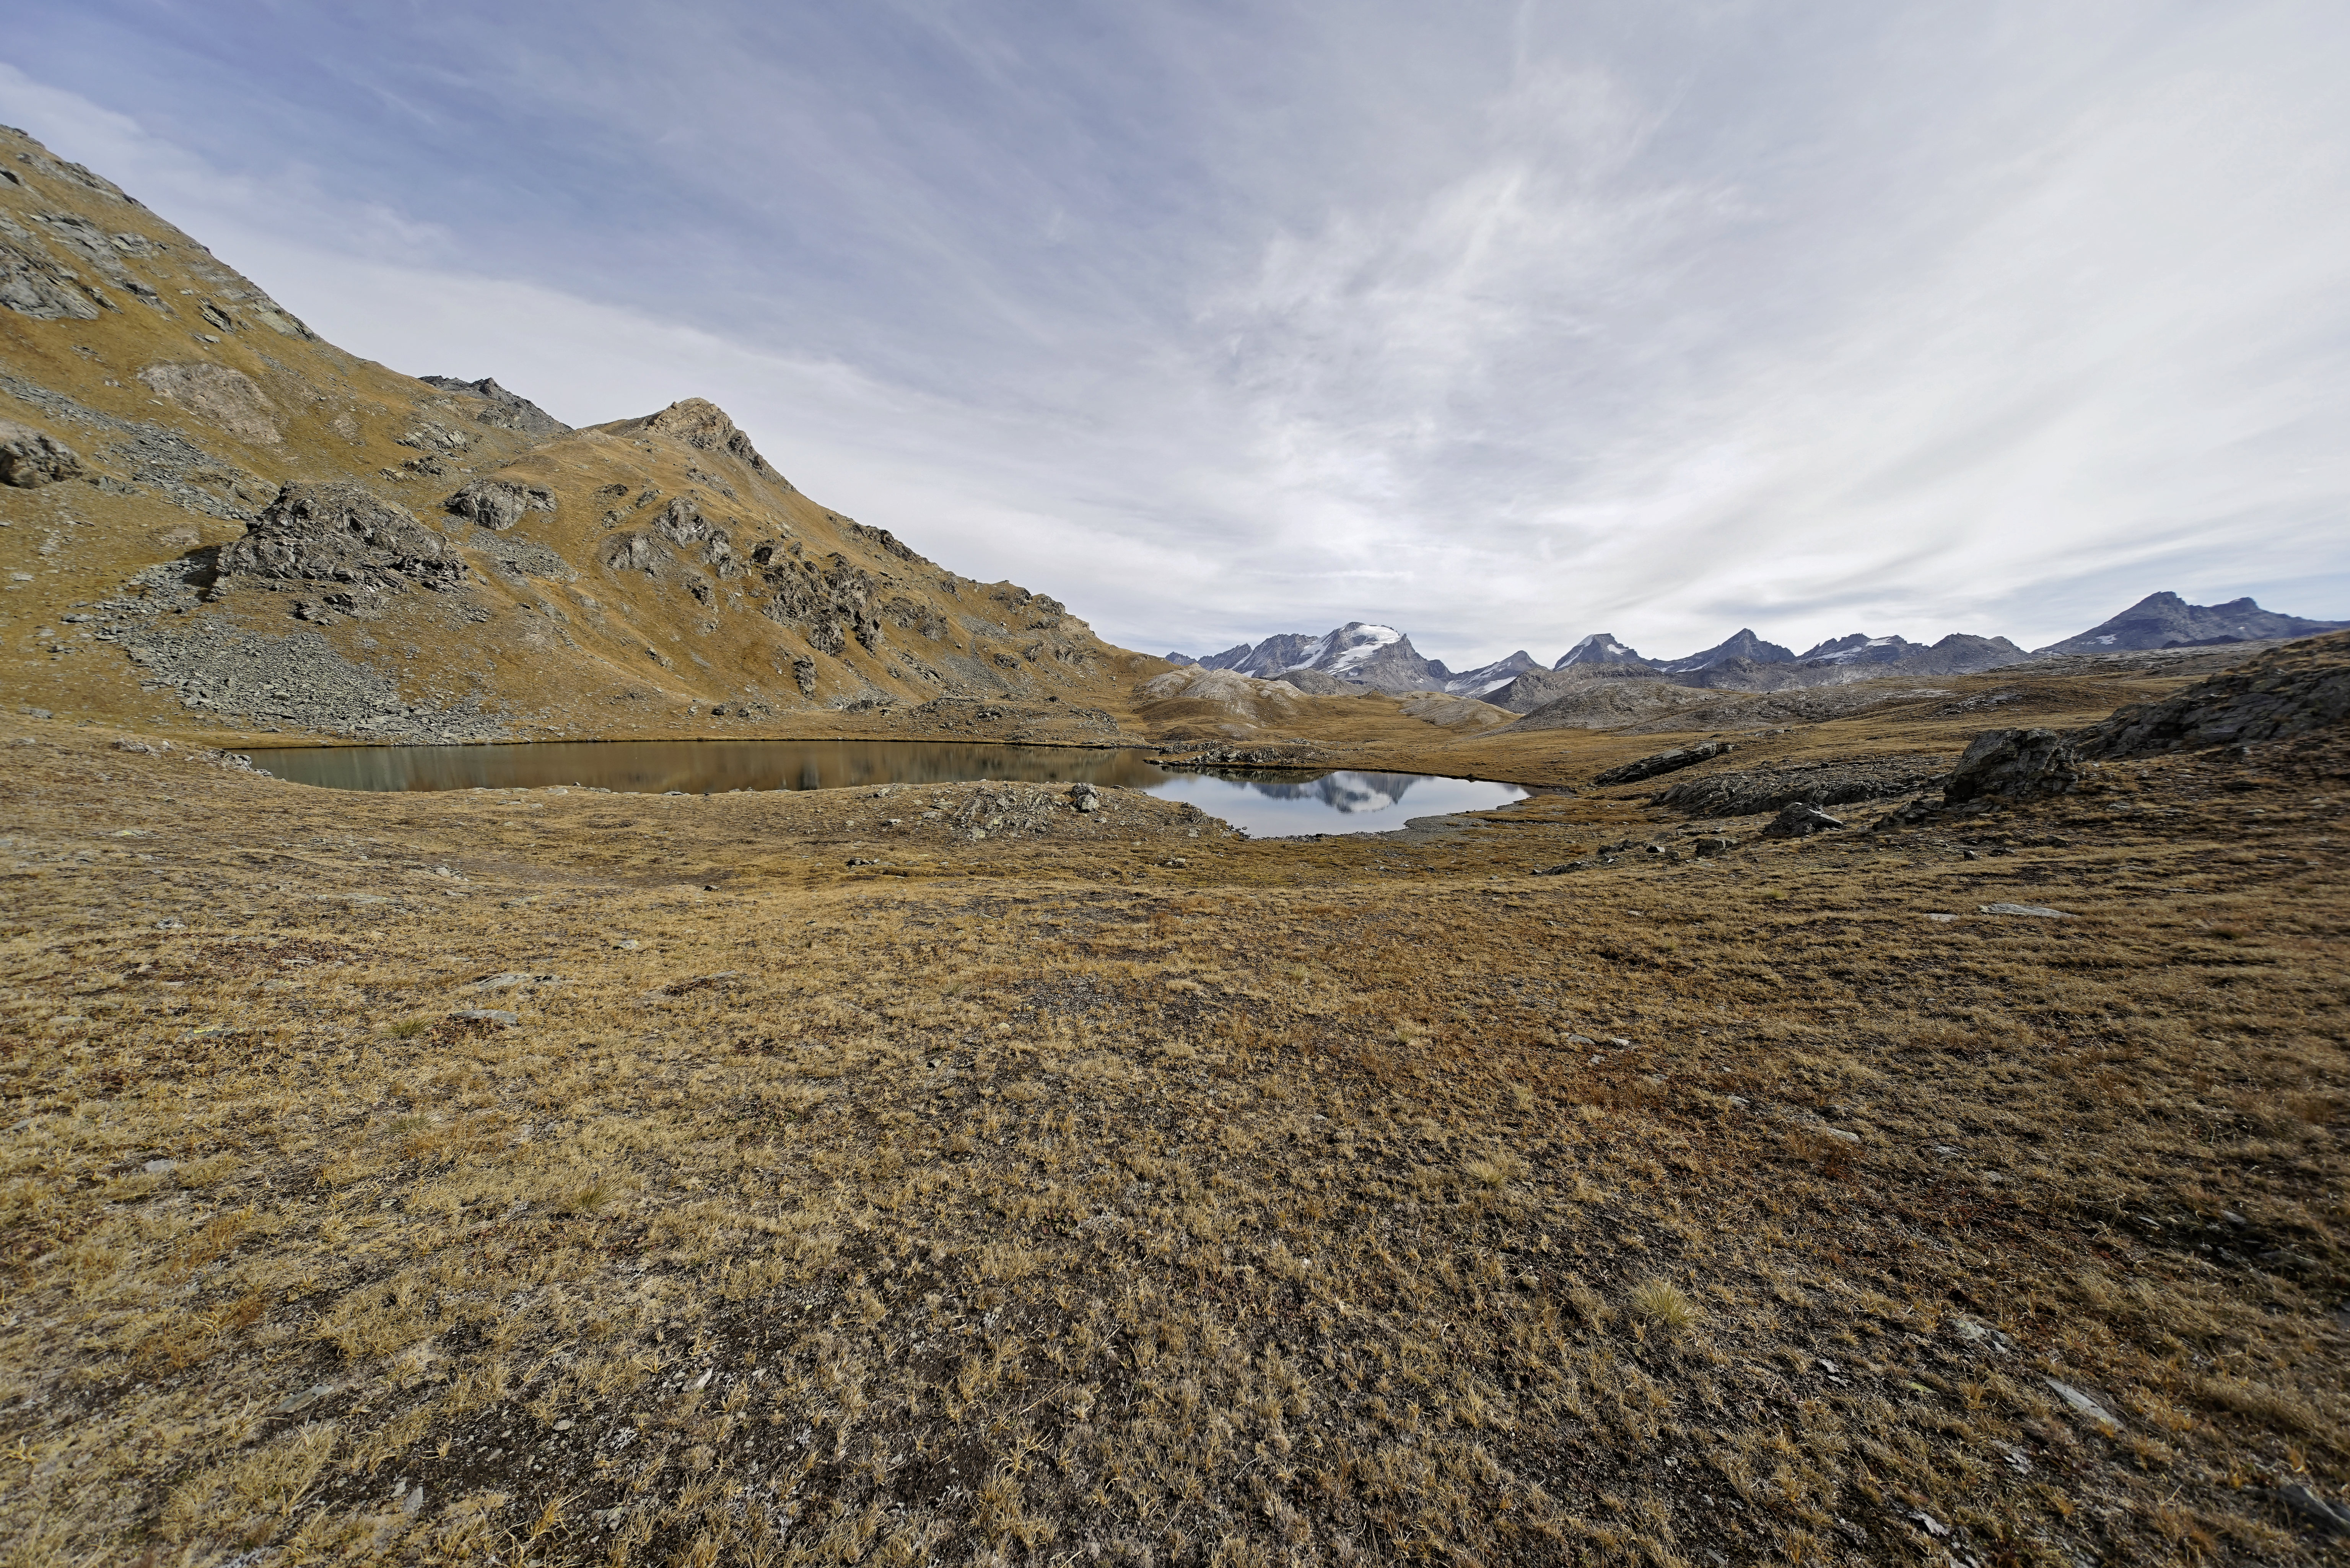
(1261, 802)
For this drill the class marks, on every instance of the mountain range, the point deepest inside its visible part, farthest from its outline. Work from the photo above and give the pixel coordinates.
(1362, 655)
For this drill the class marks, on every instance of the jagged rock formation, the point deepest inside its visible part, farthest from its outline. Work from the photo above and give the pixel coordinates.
(501, 409)
(499, 503)
(1601, 648)
(345, 535)
(2165, 620)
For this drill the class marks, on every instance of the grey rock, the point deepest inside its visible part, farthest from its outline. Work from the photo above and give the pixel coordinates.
(303, 1399)
(2012, 765)
(702, 426)
(501, 409)
(33, 284)
(1821, 784)
(344, 533)
(1710, 846)
(2033, 910)
(499, 503)
(2286, 692)
(2330, 1520)
(160, 1167)
(1084, 797)
(1650, 767)
(486, 1015)
(1800, 819)
(2082, 1405)
(30, 458)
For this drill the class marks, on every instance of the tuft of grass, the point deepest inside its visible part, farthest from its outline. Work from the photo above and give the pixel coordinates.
(1663, 1304)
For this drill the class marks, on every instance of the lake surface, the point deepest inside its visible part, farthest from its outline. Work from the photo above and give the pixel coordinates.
(1263, 805)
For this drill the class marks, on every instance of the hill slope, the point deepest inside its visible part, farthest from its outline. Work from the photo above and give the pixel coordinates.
(282, 537)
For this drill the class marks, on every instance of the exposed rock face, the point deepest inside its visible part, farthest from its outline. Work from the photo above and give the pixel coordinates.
(2012, 764)
(499, 503)
(342, 534)
(501, 409)
(1661, 762)
(2286, 692)
(1822, 783)
(1601, 648)
(219, 395)
(33, 284)
(703, 426)
(28, 459)
(831, 602)
(2165, 620)
(1313, 682)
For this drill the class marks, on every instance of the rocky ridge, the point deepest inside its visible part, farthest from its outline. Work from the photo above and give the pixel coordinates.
(203, 481)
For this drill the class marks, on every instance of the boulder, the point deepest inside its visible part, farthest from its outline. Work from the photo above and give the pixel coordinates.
(1800, 819)
(499, 503)
(28, 459)
(1084, 797)
(342, 534)
(2012, 765)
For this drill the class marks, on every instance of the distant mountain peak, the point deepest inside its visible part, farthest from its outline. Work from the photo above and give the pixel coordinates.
(2166, 620)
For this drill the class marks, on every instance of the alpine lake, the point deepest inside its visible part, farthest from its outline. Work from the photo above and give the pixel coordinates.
(1262, 803)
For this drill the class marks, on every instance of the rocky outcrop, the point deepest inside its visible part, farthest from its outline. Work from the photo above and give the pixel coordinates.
(30, 458)
(831, 602)
(1819, 784)
(342, 534)
(501, 409)
(1663, 762)
(33, 284)
(1800, 819)
(2288, 692)
(499, 503)
(2012, 765)
(701, 425)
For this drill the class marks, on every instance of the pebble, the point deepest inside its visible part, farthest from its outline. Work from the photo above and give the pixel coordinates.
(160, 1167)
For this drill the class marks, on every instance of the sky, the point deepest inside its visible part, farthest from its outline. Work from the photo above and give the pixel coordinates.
(1499, 323)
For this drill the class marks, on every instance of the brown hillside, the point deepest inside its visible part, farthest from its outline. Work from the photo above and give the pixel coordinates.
(478, 571)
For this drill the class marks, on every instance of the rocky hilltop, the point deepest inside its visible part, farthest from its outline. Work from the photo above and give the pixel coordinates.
(213, 515)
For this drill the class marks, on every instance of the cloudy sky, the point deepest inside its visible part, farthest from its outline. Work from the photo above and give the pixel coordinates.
(1500, 323)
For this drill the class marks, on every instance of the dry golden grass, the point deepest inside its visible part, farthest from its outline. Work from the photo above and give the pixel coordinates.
(1030, 1200)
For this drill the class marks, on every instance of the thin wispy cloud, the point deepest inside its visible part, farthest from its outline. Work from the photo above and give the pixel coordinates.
(1505, 324)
